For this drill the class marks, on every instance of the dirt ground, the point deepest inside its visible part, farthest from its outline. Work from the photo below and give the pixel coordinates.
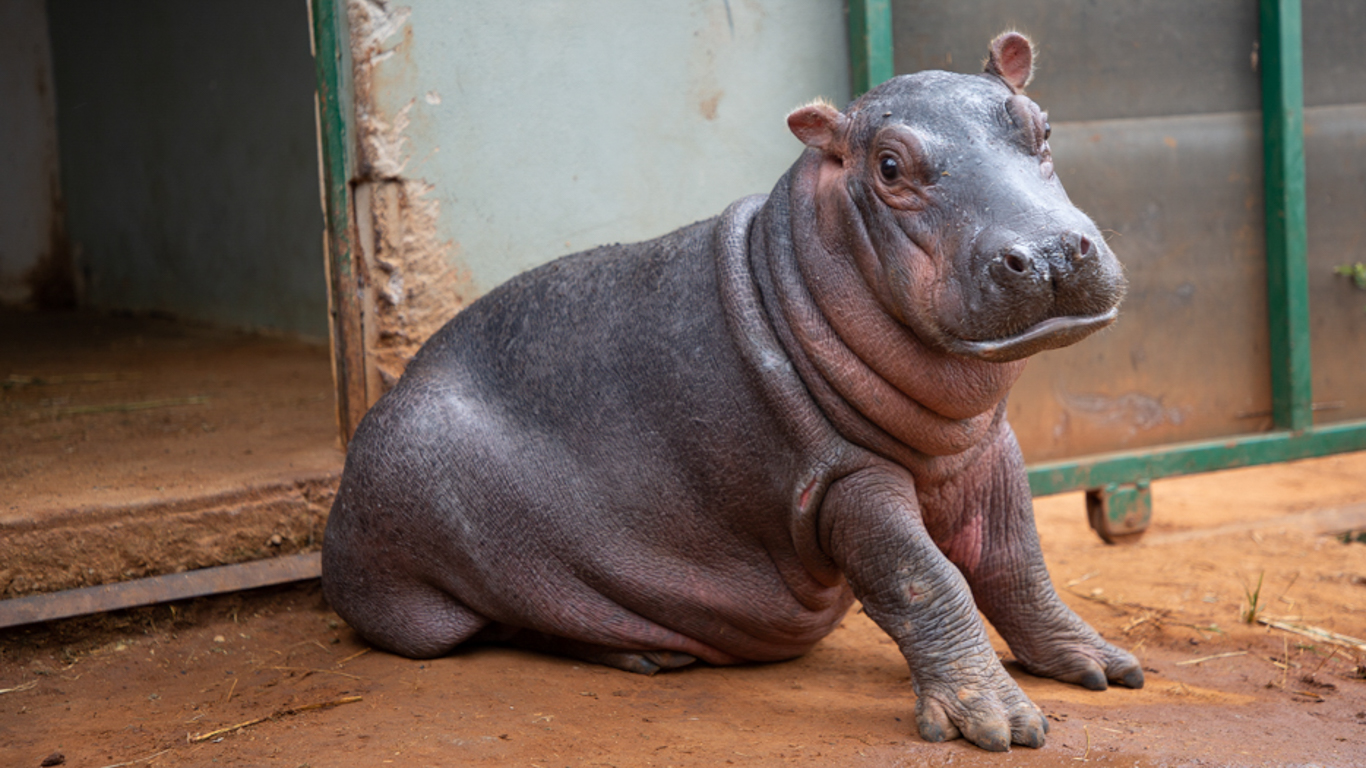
(108, 410)
(135, 446)
(144, 687)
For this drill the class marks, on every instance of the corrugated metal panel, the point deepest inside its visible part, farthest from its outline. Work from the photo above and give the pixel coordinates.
(1140, 58)
(1156, 134)
(1335, 155)
(1179, 199)
(1334, 56)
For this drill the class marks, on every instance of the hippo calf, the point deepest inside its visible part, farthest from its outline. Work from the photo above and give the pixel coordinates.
(707, 446)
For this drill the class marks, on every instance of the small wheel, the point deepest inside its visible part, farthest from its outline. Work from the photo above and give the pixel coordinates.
(1120, 514)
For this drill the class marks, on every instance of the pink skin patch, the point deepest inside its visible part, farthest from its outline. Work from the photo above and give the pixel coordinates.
(806, 494)
(965, 548)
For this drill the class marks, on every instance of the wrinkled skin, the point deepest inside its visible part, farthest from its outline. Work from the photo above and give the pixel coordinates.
(706, 446)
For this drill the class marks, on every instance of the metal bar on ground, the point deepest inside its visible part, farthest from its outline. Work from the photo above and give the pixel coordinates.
(160, 589)
(1192, 458)
(870, 43)
(1281, 56)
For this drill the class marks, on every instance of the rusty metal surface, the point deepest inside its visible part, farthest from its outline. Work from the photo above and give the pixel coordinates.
(1120, 513)
(1334, 58)
(159, 589)
(1140, 58)
(1335, 155)
(1179, 199)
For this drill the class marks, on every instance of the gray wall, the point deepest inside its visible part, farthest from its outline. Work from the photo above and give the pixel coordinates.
(28, 147)
(189, 162)
(493, 137)
(550, 126)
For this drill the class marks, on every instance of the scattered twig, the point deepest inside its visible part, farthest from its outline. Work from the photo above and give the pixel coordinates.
(1087, 753)
(1318, 633)
(355, 655)
(1211, 628)
(1080, 579)
(139, 760)
(1119, 604)
(1284, 592)
(311, 670)
(1158, 616)
(20, 380)
(141, 405)
(1326, 659)
(228, 699)
(274, 715)
(1285, 672)
(1211, 658)
(17, 688)
(1138, 621)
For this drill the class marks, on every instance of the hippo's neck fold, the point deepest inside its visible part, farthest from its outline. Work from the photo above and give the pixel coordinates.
(877, 383)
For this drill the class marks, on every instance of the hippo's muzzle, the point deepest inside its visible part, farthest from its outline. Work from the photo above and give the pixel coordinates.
(1037, 295)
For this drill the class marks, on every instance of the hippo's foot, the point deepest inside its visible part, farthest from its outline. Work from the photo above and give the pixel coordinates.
(982, 704)
(640, 662)
(1075, 653)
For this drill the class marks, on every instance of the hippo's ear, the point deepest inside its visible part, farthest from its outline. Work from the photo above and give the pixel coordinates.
(1012, 60)
(819, 126)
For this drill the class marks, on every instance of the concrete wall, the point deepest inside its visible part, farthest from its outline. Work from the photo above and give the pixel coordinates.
(189, 160)
(29, 197)
(494, 140)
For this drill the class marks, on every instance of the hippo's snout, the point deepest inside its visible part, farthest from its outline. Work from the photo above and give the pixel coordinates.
(1066, 274)
(1042, 265)
(1032, 294)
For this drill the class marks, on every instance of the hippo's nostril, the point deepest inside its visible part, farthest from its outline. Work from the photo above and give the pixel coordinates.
(1084, 248)
(1015, 263)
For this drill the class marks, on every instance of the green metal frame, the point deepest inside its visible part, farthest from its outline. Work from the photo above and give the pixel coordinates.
(1294, 435)
(870, 43)
(1286, 228)
(331, 42)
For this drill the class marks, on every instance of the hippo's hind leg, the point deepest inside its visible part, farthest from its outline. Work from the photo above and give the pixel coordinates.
(640, 662)
(422, 622)
(410, 618)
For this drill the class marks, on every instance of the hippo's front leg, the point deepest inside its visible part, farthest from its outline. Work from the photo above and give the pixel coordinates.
(995, 544)
(871, 526)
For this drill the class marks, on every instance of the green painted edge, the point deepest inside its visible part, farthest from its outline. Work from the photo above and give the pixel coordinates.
(1193, 458)
(1287, 277)
(335, 105)
(870, 44)
(332, 63)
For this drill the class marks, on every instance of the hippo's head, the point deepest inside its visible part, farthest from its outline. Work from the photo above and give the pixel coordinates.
(941, 187)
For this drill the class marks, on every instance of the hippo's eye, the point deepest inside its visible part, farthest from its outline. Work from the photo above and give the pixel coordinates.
(888, 168)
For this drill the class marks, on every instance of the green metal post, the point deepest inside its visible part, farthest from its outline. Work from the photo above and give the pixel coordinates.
(1286, 229)
(870, 43)
(332, 64)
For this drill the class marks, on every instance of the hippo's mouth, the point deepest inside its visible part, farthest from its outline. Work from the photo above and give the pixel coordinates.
(1050, 334)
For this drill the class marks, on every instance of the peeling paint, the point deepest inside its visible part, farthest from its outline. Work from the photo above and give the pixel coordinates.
(410, 282)
(1135, 410)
